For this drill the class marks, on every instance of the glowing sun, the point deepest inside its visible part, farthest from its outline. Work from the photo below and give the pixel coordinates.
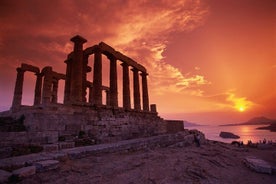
(241, 108)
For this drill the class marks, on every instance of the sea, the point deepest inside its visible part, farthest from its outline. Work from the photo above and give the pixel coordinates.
(246, 133)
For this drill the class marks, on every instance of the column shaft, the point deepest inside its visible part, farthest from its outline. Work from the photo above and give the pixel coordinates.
(67, 87)
(77, 71)
(145, 91)
(38, 86)
(136, 90)
(47, 85)
(17, 97)
(90, 100)
(126, 90)
(107, 97)
(113, 82)
(97, 78)
(55, 91)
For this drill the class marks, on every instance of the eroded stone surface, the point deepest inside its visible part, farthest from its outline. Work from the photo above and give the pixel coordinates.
(258, 165)
(24, 171)
(46, 165)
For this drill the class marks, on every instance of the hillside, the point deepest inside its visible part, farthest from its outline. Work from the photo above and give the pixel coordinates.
(254, 121)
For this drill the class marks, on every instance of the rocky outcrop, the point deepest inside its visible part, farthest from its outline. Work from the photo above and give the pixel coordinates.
(228, 135)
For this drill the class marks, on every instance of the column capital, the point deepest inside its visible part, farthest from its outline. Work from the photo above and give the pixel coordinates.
(78, 39)
(111, 57)
(124, 64)
(144, 74)
(134, 69)
(19, 69)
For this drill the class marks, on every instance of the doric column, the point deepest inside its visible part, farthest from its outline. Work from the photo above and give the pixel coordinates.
(97, 78)
(153, 108)
(113, 84)
(17, 97)
(86, 69)
(126, 91)
(107, 97)
(55, 91)
(136, 89)
(77, 71)
(67, 87)
(47, 85)
(90, 99)
(145, 91)
(38, 86)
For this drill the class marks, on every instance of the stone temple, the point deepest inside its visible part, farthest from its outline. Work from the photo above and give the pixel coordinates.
(83, 109)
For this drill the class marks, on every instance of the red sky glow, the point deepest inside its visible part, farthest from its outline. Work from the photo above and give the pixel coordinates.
(209, 61)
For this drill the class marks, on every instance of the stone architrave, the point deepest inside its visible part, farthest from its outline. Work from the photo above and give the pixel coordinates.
(17, 97)
(77, 71)
(145, 91)
(136, 89)
(126, 90)
(38, 86)
(113, 82)
(97, 78)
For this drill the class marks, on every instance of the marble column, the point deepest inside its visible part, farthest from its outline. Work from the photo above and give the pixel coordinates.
(153, 108)
(97, 78)
(77, 71)
(47, 85)
(38, 86)
(67, 87)
(145, 91)
(113, 84)
(126, 90)
(17, 97)
(90, 99)
(107, 92)
(55, 91)
(86, 69)
(136, 89)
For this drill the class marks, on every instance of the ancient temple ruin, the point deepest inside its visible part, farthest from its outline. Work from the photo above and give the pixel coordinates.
(76, 82)
(83, 110)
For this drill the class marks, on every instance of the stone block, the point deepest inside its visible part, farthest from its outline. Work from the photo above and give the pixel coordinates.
(24, 171)
(4, 176)
(66, 145)
(52, 136)
(50, 147)
(46, 165)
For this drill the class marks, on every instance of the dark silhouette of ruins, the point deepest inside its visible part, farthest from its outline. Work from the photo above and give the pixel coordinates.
(46, 121)
(76, 83)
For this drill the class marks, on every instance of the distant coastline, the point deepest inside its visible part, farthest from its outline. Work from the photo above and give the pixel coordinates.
(270, 123)
(271, 127)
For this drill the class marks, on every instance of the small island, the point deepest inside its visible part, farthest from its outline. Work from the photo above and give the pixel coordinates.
(228, 135)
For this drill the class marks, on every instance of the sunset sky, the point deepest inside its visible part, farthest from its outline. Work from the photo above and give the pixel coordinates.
(210, 61)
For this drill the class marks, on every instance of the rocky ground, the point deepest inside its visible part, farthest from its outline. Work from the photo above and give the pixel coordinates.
(213, 162)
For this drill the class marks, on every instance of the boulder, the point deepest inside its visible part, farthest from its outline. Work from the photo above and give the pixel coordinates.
(228, 135)
(258, 165)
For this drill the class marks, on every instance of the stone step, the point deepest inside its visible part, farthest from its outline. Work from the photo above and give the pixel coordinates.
(24, 171)
(46, 165)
